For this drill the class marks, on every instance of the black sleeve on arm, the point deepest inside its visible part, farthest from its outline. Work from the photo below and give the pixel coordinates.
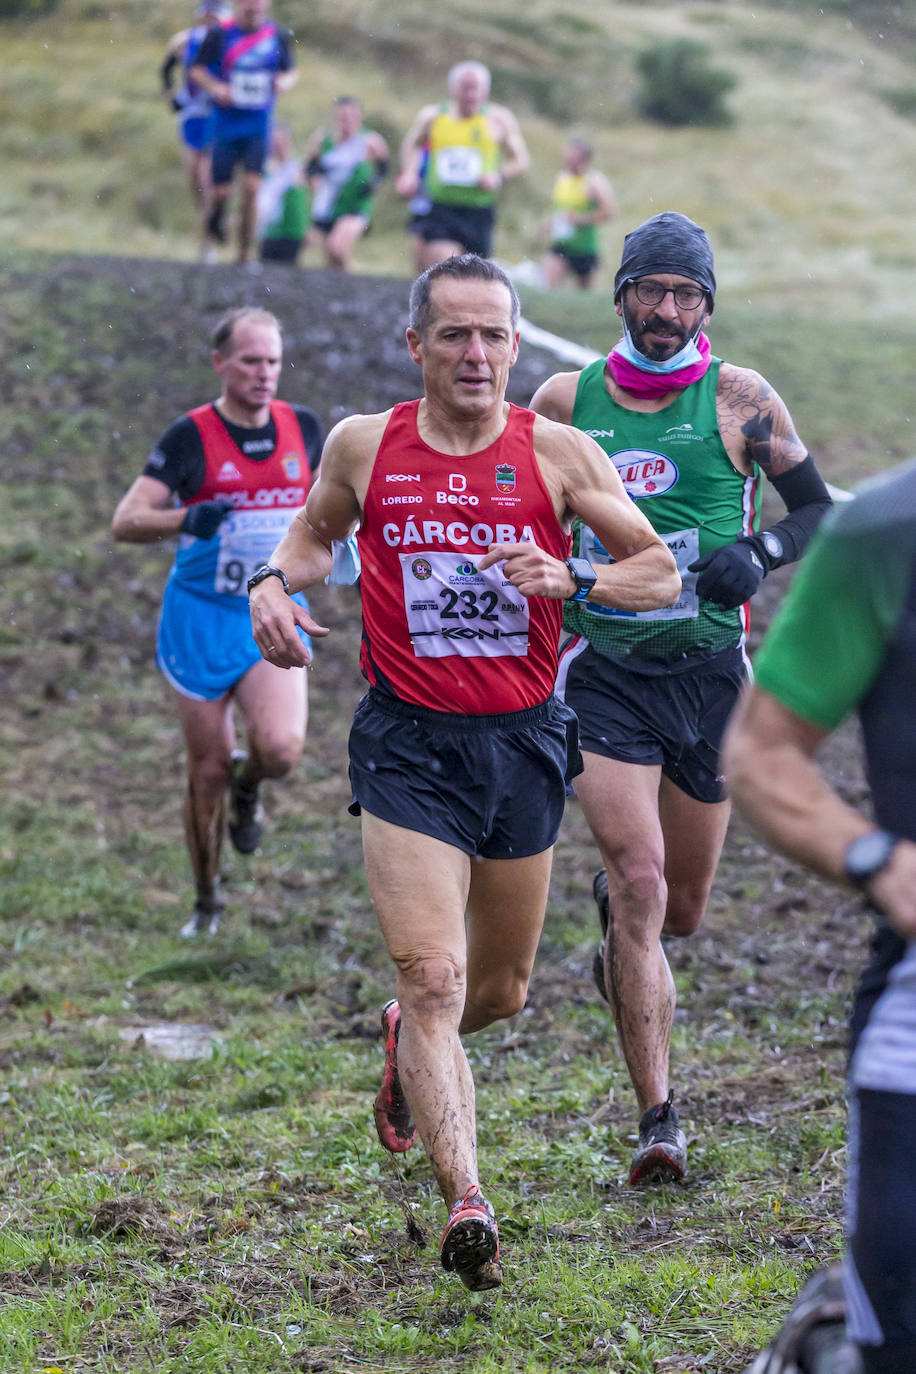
(210, 50)
(312, 434)
(178, 459)
(287, 57)
(379, 173)
(165, 71)
(807, 501)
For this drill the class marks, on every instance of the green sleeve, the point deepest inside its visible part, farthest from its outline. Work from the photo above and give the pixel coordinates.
(828, 639)
(295, 213)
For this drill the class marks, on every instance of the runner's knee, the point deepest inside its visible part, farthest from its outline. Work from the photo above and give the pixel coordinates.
(637, 892)
(685, 912)
(277, 755)
(431, 982)
(497, 996)
(208, 773)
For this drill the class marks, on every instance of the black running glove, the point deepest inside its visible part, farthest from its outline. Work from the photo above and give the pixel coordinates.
(204, 519)
(729, 576)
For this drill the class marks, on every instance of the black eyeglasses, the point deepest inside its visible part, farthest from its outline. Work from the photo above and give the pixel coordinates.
(650, 292)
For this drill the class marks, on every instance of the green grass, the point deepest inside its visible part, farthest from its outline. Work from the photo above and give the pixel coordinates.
(234, 1211)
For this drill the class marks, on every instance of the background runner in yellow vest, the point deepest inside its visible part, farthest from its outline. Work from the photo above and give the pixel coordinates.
(345, 165)
(690, 436)
(473, 148)
(581, 200)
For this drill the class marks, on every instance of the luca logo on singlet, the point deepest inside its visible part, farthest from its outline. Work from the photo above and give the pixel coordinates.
(644, 473)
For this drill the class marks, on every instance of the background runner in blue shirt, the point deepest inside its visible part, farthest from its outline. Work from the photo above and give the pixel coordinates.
(243, 65)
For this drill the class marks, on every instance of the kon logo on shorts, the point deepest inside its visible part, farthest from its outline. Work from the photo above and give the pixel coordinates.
(644, 473)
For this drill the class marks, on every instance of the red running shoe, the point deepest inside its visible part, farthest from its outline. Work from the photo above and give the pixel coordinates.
(470, 1242)
(661, 1154)
(393, 1121)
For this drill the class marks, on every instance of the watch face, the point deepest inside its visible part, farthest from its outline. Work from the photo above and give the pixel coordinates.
(582, 571)
(773, 545)
(867, 854)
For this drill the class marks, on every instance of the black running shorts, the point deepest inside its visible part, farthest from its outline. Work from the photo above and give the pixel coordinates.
(493, 786)
(580, 264)
(469, 225)
(250, 151)
(676, 719)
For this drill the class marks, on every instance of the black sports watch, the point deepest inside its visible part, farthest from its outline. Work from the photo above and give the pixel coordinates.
(867, 855)
(268, 571)
(584, 576)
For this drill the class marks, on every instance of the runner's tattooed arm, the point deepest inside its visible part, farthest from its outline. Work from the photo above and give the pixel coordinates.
(756, 427)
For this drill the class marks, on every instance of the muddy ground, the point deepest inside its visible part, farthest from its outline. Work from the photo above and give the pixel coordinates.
(100, 354)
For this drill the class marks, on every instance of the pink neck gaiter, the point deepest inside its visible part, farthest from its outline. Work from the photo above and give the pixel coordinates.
(632, 378)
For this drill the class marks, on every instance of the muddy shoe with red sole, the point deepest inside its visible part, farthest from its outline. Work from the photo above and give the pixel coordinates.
(470, 1243)
(393, 1121)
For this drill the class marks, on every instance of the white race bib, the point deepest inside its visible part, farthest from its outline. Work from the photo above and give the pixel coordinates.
(247, 538)
(251, 90)
(562, 226)
(684, 544)
(459, 166)
(452, 608)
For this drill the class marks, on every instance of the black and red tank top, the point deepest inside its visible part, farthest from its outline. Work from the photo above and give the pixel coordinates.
(436, 631)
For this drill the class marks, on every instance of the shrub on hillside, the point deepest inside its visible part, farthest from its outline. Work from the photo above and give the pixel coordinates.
(902, 100)
(680, 87)
(26, 9)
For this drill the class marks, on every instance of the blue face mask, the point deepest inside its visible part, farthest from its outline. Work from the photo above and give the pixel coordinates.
(685, 357)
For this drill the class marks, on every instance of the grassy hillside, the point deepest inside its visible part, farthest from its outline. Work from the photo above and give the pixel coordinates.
(808, 194)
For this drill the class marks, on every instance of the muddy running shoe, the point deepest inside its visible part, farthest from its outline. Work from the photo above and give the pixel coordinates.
(393, 1121)
(470, 1243)
(599, 890)
(661, 1155)
(204, 920)
(812, 1339)
(246, 814)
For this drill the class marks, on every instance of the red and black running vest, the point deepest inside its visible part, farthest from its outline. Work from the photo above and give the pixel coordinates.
(436, 631)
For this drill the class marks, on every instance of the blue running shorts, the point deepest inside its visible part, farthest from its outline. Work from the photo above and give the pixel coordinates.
(204, 645)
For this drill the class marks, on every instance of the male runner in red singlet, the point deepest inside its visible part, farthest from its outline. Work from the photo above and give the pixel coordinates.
(225, 479)
(460, 752)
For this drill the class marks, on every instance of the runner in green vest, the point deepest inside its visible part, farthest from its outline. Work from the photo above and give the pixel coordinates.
(690, 436)
(345, 166)
(581, 200)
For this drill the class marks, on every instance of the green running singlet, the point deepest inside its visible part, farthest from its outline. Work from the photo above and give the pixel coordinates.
(674, 465)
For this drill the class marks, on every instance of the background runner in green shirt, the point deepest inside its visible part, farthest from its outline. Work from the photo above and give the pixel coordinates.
(345, 166)
(845, 641)
(690, 436)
